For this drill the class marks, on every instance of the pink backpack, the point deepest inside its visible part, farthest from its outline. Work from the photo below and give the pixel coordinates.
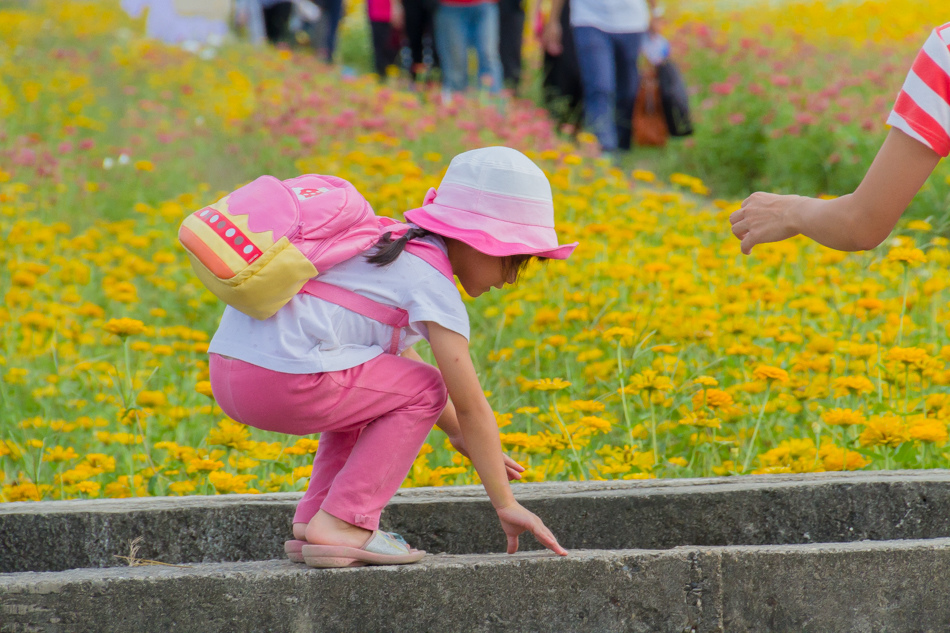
(258, 246)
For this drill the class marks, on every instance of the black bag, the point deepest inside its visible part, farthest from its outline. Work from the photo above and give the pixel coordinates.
(675, 99)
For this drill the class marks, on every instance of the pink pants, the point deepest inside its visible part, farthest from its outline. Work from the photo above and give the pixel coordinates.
(373, 420)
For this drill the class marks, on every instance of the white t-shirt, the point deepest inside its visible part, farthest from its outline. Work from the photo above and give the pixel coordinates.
(612, 16)
(310, 335)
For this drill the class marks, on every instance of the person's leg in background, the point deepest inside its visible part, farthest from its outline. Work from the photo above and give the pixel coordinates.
(595, 59)
(333, 12)
(511, 19)
(415, 29)
(384, 53)
(484, 34)
(277, 21)
(626, 53)
(451, 37)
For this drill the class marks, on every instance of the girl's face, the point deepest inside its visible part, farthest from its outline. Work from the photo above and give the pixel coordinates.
(477, 272)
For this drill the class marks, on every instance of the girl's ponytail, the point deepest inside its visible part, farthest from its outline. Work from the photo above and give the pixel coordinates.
(388, 250)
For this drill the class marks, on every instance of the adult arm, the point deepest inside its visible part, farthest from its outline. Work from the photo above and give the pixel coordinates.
(449, 424)
(854, 222)
(480, 432)
(551, 36)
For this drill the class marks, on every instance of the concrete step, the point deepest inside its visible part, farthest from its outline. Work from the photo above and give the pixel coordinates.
(658, 514)
(828, 552)
(893, 586)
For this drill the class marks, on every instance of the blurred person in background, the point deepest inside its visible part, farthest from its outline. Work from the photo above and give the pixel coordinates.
(277, 20)
(386, 21)
(511, 17)
(464, 24)
(179, 21)
(607, 37)
(562, 91)
(420, 32)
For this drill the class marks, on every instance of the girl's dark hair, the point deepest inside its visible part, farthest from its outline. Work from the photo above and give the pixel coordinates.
(387, 250)
(517, 264)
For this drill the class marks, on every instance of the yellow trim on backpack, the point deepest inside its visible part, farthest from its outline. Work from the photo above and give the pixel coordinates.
(264, 287)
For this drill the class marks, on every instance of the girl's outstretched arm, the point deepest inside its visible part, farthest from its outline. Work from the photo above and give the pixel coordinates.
(480, 432)
(449, 424)
(856, 222)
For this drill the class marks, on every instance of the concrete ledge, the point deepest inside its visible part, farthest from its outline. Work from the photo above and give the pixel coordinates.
(868, 586)
(657, 514)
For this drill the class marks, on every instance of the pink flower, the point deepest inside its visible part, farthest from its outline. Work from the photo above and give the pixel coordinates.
(782, 81)
(723, 88)
(756, 89)
(87, 143)
(803, 118)
(737, 118)
(65, 147)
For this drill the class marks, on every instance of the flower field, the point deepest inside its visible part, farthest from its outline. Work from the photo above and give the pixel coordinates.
(657, 350)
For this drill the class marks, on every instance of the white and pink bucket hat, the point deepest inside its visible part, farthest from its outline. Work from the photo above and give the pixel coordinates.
(496, 200)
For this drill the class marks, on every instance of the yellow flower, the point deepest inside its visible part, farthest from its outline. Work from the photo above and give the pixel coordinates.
(204, 465)
(706, 381)
(907, 256)
(204, 388)
(303, 446)
(843, 417)
(835, 458)
(701, 419)
(765, 372)
(151, 399)
(124, 327)
(59, 454)
(847, 385)
(144, 165)
(182, 487)
(928, 430)
(231, 434)
(649, 381)
(712, 398)
(888, 430)
(548, 384)
(909, 356)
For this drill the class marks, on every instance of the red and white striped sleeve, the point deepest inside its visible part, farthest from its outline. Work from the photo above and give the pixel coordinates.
(922, 110)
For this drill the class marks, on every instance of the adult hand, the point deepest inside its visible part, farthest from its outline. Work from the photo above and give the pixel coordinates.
(513, 468)
(551, 38)
(515, 519)
(765, 217)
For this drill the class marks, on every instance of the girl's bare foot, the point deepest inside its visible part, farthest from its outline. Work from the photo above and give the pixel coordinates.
(326, 529)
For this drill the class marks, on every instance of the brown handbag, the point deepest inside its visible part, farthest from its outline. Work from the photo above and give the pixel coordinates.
(649, 122)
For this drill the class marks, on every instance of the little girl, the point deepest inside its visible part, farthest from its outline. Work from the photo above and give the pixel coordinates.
(317, 367)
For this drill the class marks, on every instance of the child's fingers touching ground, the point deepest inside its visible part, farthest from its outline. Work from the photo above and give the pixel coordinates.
(515, 519)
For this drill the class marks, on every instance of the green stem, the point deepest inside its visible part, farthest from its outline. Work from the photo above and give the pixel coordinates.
(755, 431)
(579, 469)
(900, 329)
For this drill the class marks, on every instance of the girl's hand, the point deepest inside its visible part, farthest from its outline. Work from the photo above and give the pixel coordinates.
(515, 519)
(513, 468)
(765, 217)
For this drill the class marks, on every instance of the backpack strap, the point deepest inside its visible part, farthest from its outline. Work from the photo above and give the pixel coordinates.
(396, 318)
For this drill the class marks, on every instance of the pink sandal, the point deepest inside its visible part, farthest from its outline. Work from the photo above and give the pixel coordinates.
(294, 547)
(381, 548)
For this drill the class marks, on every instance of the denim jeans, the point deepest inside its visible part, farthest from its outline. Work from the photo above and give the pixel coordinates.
(456, 29)
(608, 66)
